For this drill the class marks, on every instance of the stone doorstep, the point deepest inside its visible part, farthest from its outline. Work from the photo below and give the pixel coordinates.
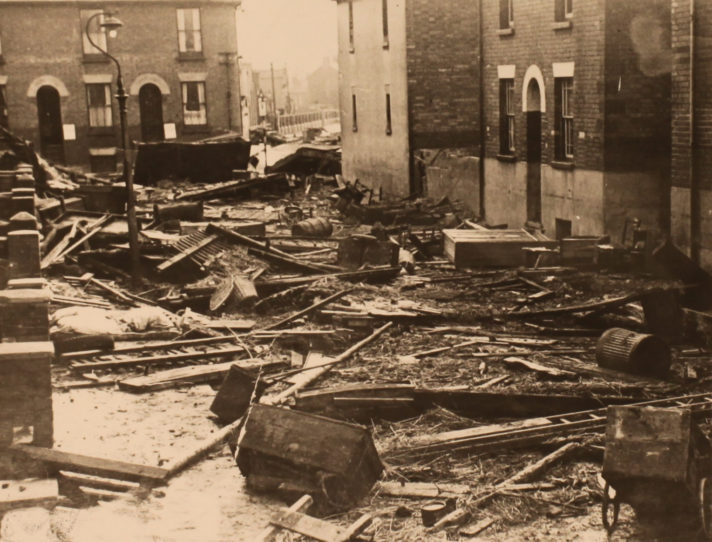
(30, 351)
(24, 295)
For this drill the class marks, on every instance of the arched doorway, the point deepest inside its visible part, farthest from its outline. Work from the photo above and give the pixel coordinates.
(150, 104)
(533, 112)
(49, 112)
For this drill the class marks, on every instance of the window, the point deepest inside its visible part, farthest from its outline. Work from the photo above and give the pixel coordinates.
(99, 105)
(384, 9)
(354, 114)
(96, 32)
(389, 126)
(194, 110)
(351, 26)
(564, 87)
(3, 107)
(506, 116)
(189, 38)
(506, 14)
(563, 9)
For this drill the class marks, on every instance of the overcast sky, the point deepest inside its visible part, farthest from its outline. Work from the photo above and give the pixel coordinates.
(298, 33)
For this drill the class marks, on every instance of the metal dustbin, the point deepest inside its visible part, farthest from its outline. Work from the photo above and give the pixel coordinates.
(639, 353)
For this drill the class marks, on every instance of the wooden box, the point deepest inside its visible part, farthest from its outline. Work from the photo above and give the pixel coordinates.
(334, 459)
(490, 248)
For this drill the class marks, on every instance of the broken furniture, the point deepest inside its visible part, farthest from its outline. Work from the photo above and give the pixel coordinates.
(334, 461)
(295, 520)
(658, 461)
(491, 248)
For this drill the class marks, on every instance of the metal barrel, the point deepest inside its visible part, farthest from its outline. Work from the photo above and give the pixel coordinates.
(313, 227)
(639, 353)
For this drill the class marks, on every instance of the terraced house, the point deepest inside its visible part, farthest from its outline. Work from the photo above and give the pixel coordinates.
(57, 88)
(550, 114)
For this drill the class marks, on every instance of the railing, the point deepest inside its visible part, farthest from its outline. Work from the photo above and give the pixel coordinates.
(298, 122)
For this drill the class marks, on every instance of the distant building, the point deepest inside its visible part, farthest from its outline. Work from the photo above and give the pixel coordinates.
(408, 91)
(278, 79)
(550, 114)
(57, 90)
(323, 85)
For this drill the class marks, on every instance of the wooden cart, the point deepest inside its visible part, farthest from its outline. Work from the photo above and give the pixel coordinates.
(658, 461)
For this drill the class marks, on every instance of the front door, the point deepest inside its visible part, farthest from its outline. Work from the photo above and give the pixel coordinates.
(533, 154)
(150, 103)
(49, 113)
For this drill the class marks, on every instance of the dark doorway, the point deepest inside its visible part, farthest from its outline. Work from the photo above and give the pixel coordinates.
(150, 103)
(49, 111)
(534, 153)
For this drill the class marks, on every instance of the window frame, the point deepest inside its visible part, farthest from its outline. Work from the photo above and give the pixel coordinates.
(2, 61)
(89, 52)
(563, 10)
(565, 135)
(202, 104)
(352, 47)
(389, 118)
(384, 15)
(506, 6)
(107, 108)
(354, 112)
(507, 120)
(182, 32)
(4, 107)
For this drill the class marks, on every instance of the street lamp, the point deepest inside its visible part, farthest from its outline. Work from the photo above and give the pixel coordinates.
(111, 24)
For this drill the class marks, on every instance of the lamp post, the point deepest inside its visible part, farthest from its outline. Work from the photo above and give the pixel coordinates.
(111, 24)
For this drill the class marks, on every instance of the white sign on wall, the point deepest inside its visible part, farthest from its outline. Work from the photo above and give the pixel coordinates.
(169, 130)
(69, 132)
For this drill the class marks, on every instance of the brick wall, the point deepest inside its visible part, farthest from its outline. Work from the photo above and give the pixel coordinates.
(147, 43)
(638, 65)
(443, 73)
(535, 41)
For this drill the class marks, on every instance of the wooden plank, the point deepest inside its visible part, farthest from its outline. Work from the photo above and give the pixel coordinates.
(309, 309)
(157, 360)
(27, 493)
(185, 254)
(538, 367)
(422, 490)
(306, 525)
(94, 228)
(107, 468)
(87, 480)
(302, 505)
(194, 374)
(53, 254)
(583, 307)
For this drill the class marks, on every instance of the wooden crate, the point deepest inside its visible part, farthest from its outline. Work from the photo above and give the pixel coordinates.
(490, 248)
(336, 457)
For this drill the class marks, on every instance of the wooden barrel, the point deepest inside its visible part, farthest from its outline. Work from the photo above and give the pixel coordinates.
(313, 227)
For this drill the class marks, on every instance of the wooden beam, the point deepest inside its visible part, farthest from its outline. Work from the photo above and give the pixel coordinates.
(85, 464)
(146, 347)
(309, 309)
(302, 505)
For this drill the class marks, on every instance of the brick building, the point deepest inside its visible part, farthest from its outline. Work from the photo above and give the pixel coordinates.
(572, 117)
(57, 90)
(691, 171)
(408, 89)
(577, 116)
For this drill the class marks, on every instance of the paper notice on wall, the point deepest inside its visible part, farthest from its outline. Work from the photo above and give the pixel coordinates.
(169, 130)
(69, 132)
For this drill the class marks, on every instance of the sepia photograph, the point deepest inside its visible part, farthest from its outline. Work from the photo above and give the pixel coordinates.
(355, 270)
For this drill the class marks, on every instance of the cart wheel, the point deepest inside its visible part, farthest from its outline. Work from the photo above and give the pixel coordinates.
(609, 503)
(705, 498)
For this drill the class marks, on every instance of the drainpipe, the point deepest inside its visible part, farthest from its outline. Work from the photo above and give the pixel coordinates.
(481, 163)
(695, 211)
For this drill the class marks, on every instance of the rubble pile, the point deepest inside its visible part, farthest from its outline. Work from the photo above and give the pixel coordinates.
(391, 366)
